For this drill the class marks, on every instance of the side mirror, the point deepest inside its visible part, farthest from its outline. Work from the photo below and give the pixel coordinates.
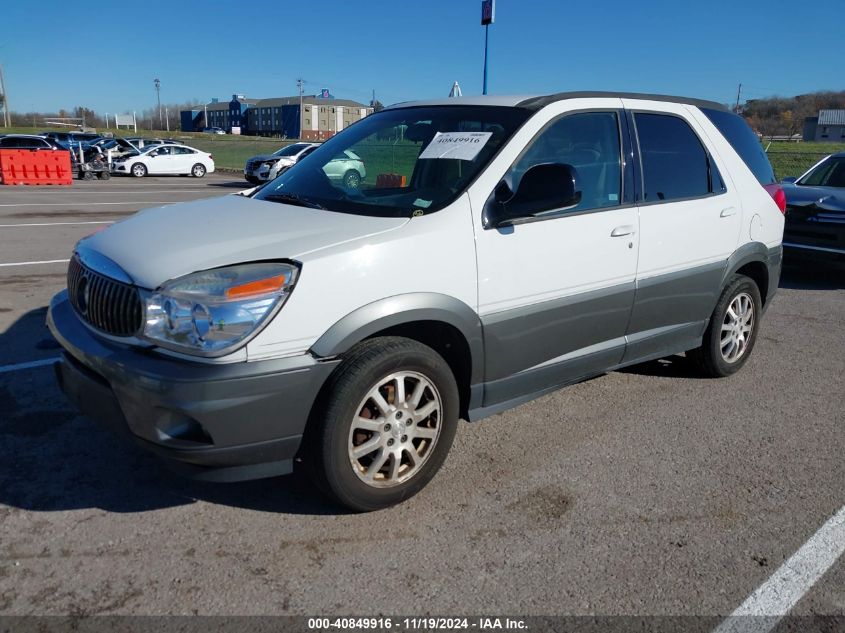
(543, 188)
(789, 180)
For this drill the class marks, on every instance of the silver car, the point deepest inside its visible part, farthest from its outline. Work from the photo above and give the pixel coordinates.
(348, 168)
(268, 166)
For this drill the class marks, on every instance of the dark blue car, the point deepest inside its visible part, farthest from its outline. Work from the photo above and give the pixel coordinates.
(815, 209)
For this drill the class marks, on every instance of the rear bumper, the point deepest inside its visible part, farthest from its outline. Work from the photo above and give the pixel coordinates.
(820, 234)
(221, 422)
(774, 264)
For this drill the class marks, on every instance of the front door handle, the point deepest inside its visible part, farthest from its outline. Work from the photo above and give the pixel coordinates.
(621, 231)
(727, 212)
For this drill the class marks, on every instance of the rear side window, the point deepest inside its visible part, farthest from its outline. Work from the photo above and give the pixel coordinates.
(675, 164)
(745, 143)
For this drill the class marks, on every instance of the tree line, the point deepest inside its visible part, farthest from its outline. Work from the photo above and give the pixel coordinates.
(775, 116)
(148, 119)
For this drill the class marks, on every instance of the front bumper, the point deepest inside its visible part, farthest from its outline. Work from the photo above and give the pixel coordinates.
(221, 422)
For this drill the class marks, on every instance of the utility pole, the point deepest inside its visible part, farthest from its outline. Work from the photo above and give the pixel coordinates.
(158, 98)
(488, 14)
(4, 100)
(738, 91)
(299, 84)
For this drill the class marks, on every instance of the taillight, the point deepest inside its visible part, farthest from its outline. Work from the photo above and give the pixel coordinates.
(210, 157)
(777, 194)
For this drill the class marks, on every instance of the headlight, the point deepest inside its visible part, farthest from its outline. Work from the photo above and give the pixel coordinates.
(209, 313)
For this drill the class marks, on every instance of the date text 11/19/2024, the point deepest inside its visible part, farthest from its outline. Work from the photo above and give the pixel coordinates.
(415, 624)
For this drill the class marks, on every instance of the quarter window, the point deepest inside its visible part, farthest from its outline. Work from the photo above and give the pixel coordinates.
(675, 164)
(588, 141)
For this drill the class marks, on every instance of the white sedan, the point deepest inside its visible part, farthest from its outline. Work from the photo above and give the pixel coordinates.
(166, 159)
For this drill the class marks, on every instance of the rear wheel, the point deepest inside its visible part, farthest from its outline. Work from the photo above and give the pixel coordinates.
(732, 330)
(104, 175)
(198, 170)
(139, 170)
(352, 179)
(386, 426)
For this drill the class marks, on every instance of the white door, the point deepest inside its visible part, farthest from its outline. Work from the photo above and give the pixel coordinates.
(555, 293)
(158, 161)
(689, 226)
(184, 159)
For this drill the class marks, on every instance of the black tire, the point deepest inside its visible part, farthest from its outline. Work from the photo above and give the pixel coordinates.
(709, 358)
(253, 180)
(104, 175)
(352, 179)
(330, 437)
(198, 170)
(87, 175)
(139, 170)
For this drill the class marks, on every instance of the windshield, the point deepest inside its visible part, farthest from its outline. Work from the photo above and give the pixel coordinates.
(398, 163)
(828, 173)
(290, 150)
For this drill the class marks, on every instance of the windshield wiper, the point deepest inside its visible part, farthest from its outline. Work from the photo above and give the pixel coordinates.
(294, 199)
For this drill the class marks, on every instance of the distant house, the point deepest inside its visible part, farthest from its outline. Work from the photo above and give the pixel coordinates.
(828, 127)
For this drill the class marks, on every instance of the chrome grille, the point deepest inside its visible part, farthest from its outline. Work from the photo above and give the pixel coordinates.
(111, 306)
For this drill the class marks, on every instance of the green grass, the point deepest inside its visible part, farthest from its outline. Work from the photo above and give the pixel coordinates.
(793, 159)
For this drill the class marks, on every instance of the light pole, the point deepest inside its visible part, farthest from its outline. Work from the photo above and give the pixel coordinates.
(158, 98)
(299, 84)
(488, 14)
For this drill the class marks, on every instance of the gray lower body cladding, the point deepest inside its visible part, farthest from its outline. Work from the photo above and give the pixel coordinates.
(532, 350)
(219, 422)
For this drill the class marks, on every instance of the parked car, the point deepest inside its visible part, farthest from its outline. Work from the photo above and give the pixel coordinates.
(165, 159)
(214, 130)
(505, 250)
(267, 166)
(815, 209)
(142, 142)
(346, 168)
(117, 146)
(29, 141)
(71, 139)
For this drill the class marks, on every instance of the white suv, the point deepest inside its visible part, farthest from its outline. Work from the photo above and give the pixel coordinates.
(499, 248)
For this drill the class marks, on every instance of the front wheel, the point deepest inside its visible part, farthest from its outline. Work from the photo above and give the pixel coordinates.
(139, 170)
(388, 421)
(732, 330)
(198, 170)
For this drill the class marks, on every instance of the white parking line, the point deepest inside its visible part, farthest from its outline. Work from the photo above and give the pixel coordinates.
(46, 261)
(30, 365)
(6, 226)
(772, 600)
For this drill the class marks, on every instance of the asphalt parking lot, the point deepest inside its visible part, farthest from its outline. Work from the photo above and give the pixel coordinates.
(642, 492)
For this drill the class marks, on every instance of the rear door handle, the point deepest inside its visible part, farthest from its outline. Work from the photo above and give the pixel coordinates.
(621, 231)
(727, 212)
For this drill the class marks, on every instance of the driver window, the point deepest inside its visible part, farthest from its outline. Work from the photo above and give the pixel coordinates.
(589, 141)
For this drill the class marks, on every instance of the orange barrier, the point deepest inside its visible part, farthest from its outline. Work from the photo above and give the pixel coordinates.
(390, 181)
(35, 167)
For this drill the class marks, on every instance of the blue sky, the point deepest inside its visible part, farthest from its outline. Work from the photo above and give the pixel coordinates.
(402, 49)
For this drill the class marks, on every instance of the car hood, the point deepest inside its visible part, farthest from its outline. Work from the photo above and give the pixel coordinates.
(159, 244)
(264, 157)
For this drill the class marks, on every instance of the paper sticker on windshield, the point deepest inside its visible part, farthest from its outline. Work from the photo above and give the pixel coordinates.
(458, 145)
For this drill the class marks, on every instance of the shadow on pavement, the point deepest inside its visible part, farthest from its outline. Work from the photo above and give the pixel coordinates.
(232, 184)
(807, 273)
(53, 458)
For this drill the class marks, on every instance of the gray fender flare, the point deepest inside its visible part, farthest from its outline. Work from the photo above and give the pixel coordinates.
(745, 254)
(400, 309)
